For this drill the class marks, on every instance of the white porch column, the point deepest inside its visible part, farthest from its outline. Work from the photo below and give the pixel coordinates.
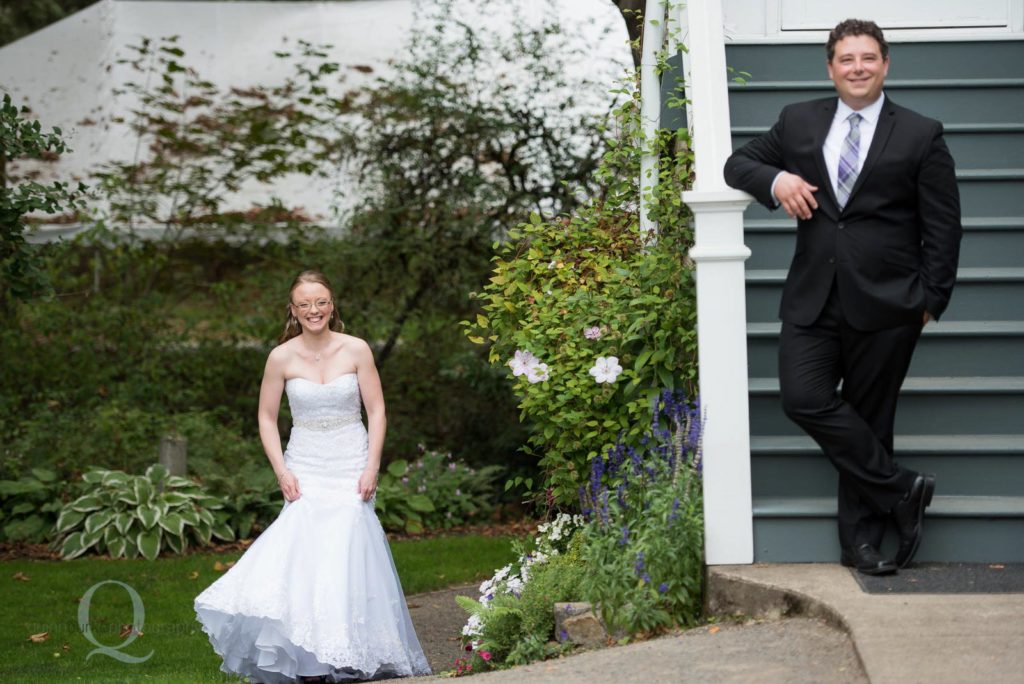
(719, 253)
(650, 104)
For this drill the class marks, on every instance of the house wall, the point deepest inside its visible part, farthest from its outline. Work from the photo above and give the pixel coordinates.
(808, 21)
(66, 73)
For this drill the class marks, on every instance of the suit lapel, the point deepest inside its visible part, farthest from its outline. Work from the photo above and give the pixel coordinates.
(886, 120)
(822, 124)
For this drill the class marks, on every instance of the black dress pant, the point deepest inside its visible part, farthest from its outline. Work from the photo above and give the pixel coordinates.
(854, 426)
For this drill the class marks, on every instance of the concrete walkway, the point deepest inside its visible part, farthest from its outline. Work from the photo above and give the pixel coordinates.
(900, 638)
(812, 623)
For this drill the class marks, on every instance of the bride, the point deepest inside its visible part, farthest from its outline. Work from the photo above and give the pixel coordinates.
(316, 597)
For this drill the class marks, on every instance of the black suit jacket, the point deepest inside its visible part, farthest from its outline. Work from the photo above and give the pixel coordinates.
(893, 250)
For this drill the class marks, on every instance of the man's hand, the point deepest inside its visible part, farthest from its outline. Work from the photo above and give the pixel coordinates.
(927, 318)
(795, 195)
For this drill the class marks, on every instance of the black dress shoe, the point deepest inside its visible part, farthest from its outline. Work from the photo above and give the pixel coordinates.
(909, 515)
(867, 560)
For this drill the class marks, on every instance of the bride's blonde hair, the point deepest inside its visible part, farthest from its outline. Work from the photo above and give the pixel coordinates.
(291, 324)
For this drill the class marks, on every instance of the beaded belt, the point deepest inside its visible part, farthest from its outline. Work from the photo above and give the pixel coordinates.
(322, 424)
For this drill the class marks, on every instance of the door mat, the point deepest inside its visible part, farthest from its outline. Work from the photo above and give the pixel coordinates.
(948, 578)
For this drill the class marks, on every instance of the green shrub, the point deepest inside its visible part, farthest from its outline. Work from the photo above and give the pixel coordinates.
(251, 497)
(131, 515)
(115, 435)
(29, 505)
(556, 581)
(398, 508)
(513, 621)
(571, 294)
(459, 493)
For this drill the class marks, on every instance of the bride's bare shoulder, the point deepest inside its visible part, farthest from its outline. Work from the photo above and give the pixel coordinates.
(282, 353)
(353, 342)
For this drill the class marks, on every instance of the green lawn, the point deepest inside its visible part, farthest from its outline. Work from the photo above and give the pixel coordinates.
(49, 601)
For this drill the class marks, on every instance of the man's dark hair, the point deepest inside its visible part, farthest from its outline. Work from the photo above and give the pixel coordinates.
(855, 27)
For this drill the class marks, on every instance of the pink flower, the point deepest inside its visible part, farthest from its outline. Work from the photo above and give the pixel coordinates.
(486, 655)
(592, 333)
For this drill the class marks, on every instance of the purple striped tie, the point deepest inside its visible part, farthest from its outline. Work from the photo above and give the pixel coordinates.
(849, 160)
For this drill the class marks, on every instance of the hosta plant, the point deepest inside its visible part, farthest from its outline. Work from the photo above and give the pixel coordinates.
(131, 515)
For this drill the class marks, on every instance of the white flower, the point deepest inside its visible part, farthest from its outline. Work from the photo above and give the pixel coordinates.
(537, 373)
(606, 369)
(502, 573)
(472, 627)
(522, 362)
(515, 586)
(592, 333)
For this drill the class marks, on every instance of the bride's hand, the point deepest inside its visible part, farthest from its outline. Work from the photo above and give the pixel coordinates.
(289, 485)
(367, 484)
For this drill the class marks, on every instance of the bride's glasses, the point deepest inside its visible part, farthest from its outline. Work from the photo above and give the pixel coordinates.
(320, 304)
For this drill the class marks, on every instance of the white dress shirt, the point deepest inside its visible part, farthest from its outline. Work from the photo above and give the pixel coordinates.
(837, 133)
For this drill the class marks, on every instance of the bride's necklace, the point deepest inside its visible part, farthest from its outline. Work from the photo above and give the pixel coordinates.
(317, 355)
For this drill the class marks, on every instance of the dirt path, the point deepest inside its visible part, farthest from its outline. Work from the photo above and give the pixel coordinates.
(438, 621)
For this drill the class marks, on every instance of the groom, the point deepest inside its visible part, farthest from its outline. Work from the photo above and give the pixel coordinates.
(873, 189)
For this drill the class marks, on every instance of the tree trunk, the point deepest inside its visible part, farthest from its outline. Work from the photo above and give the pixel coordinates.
(632, 14)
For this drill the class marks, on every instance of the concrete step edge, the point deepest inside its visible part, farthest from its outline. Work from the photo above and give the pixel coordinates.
(986, 174)
(788, 225)
(942, 506)
(1007, 384)
(932, 445)
(985, 329)
(773, 276)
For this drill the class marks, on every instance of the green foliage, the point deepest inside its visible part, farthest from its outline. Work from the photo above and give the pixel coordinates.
(434, 492)
(20, 274)
(556, 581)
(473, 127)
(644, 544)
(513, 621)
(25, 16)
(131, 515)
(595, 271)
(250, 496)
(171, 332)
(396, 506)
(29, 505)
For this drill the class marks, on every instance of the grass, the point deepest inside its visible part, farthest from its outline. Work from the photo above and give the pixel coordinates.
(50, 599)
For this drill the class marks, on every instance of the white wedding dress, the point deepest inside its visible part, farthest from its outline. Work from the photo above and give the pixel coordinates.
(317, 593)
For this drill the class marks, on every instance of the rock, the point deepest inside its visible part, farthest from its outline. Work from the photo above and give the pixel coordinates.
(577, 623)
